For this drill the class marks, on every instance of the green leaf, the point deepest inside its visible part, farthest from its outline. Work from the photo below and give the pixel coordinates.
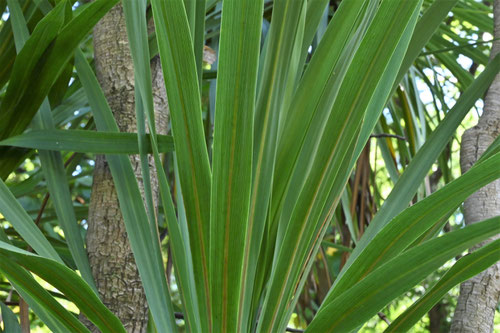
(22, 73)
(10, 322)
(53, 168)
(69, 283)
(135, 19)
(410, 180)
(494, 148)
(42, 59)
(314, 14)
(465, 268)
(283, 41)
(85, 141)
(24, 225)
(405, 228)
(383, 94)
(359, 303)
(53, 314)
(426, 26)
(325, 72)
(145, 247)
(181, 80)
(232, 158)
(323, 163)
(317, 90)
(137, 30)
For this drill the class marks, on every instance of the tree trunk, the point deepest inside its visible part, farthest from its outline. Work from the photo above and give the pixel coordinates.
(110, 255)
(479, 296)
(437, 317)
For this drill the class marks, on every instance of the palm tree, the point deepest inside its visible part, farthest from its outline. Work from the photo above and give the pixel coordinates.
(269, 174)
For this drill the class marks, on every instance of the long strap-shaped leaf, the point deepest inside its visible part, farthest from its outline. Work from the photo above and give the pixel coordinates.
(325, 73)
(314, 14)
(333, 153)
(145, 247)
(232, 157)
(415, 172)
(45, 32)
(426, 26)
(404, 229)
(492, 149)
(195, 10)
(316, 94)
(10, 322)
(69, 283)
(424, 30)
(282, 40)
(25, 63)
(24, 225)
(181, 81)
(53, 167)
(135, 19)
(135, 14)
(465, 268)
(53, 314)
(85, 141)
(358, 304)
(42, 60)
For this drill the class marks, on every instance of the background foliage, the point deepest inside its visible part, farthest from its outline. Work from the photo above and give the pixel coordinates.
(51, 105)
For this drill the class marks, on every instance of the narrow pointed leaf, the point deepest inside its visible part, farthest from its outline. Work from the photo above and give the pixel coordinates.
(313, 180)
(426, 26)
(359, 303)
(145, 247)
(276, 71)
(465, 268)
(53, 314)
(53, 168)
(24, 225)
(10, 322)
(24, 94)
(404, 229)
(69, 283)
(232, 157)
(135, 13)
(415, 172)
(42, 60)
(85, 141)
(181, 80)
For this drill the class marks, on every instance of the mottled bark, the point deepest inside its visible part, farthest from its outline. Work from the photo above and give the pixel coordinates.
(479, 296)
(110, 255)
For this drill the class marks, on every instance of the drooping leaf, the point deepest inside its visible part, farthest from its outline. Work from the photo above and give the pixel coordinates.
(53, 167)
(137, 31)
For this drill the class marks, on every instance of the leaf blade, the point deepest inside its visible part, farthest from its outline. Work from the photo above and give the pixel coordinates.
(232, 156)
